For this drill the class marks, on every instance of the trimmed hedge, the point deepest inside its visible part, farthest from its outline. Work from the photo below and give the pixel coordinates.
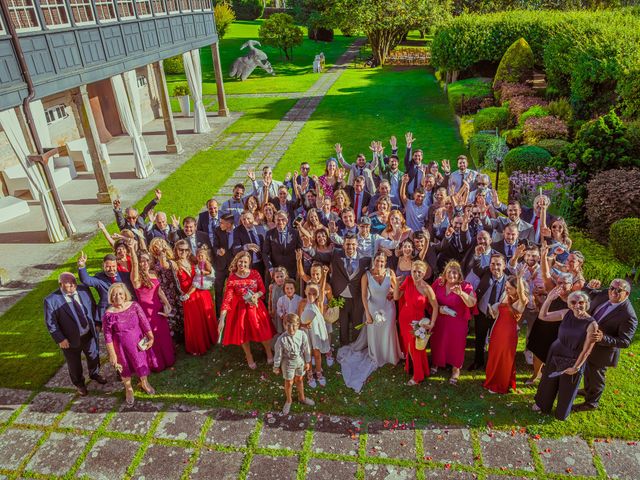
(623, 240)
(491, 118)
(478, 146)
(593, 58)
(552, 145)
(516, 65)
(528, 158)
(463, 94)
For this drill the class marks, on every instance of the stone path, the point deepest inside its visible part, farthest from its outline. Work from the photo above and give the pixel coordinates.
(50, 434)
(269, 148)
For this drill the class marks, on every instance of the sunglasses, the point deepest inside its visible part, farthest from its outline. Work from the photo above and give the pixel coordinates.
(616, 289)
(305, 168)
(482, 184)
(578, 302)
(132, 218)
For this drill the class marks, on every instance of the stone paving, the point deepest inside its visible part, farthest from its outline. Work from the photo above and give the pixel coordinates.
(54, 434)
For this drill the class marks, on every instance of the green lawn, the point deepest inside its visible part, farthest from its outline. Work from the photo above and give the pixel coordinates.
(295, 76)
(259, 114)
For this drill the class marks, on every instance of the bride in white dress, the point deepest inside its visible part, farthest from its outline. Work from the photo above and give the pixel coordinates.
(377, 343)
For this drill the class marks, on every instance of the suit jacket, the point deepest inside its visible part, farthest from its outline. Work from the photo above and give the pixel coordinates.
(339, 276)
(60, 317)
(469, 260)
(203, 222)
(485, 278)
(221, 262)
(528, 215)
(275, 254)
(366, 198)
(499, 247)
(292, 206)
(447, 251)
(140, 222)
(618, 327)
(102, 283)
(241, 238)
(157, 233)
(202, 239)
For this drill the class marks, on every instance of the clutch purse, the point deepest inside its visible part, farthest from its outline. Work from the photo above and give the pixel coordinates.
(143, 344)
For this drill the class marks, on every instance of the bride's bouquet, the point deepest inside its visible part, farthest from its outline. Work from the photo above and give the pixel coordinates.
(421, 332)
(377, 317)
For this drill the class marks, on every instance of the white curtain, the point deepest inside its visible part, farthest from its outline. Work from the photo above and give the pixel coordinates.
(55, 228)
(193, 71)
(144, 168)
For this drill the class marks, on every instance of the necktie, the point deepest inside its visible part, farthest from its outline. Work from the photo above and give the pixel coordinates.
(230, 241)
(456, 242)
(350, 266)
(283, 238)
(212, 226)
(415, 179)
(600, 313)
(509, 250)
(357, 206)
(536, 224)
(493, 296)
(82, 317)
(112, 279)
(192, 242)
(253, 236)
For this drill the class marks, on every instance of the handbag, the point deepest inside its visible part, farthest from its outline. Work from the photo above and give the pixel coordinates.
(331, 314)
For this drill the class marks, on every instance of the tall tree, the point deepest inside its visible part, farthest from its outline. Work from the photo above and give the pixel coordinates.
(387, 22)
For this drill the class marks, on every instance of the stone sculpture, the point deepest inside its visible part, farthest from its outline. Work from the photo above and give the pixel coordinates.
(318, 63)
(244, 66)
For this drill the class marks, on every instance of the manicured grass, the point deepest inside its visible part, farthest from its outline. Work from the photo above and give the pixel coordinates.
(295, 76)
(28, 355)
(259, 114)
(373, 104)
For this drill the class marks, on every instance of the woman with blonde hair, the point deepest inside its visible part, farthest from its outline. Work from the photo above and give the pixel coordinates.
(396, 227)
(128, 336)
(332, 178)
(340, 201)
(162, 265)
(243, 316)
(456, 300)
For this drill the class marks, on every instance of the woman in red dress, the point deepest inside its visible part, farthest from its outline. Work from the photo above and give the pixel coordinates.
(503, 340)
(415, 297)
(457, 300)
(200, 324)
(247, 319)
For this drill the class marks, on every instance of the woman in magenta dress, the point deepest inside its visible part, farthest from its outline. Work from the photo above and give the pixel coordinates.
(456, 299)
(156, 307)
(503, 339)
(125, 325)
(243, 312)
(415, 297)
(200, 323)
(332, 179)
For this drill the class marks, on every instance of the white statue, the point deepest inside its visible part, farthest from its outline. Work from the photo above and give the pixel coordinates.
(244, 66)
(318, 63)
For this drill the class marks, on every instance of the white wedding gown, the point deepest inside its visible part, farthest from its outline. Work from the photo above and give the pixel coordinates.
(377, 343)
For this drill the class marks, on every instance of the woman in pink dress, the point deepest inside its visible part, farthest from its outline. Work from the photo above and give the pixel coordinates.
(456, 299)
(127, 335)
(243, 312)
(156, 307)
(332, 178)
(200, 323)
(503, 340)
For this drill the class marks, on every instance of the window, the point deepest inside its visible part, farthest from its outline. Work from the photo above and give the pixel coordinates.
(54, 13)
(143, 7)
(81, 12)
(142, 81)
(125, 9)
(23, 15)
(184, 6)
(172, 6)
(158, 7)
(105, 10)
(206, 4)
(55, 113)
(201, 4)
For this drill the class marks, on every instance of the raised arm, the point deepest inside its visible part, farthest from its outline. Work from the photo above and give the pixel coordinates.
(300, 266)
(403, 189)
(135, 268)
(106, 233)
(547, 316)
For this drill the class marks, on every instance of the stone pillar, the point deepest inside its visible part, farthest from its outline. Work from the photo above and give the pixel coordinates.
(173, 143)
(107, 192)
(223, 111)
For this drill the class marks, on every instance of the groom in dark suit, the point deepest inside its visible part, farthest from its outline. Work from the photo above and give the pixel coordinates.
(346, 272)
(617, 323)
(280, 245)
(70, 315)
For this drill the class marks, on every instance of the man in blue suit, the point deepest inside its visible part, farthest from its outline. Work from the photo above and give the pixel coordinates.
(102, 281)
(70, 316)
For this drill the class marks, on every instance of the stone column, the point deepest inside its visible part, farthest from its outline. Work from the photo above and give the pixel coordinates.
(173, 143)
(107, 192)
(223, 111)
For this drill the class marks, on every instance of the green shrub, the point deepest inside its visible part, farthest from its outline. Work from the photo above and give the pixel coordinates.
(224, 16)
(552, 145)
(466, 128)
(560, 108)
(623, 240)
(600, 263)
(181, 90)
(173, 65)
(463, 93)
(248, 9)
(478, 146)
(513, 137)
(281, 32)
(516, 65)
(491, 118)
(535, 111)
(528, 158)
(540, 128)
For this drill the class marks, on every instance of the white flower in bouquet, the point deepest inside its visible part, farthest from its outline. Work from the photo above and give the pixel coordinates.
(378, 317)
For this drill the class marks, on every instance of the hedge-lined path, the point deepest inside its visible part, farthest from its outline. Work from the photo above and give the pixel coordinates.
(54, 433)
(272, 146)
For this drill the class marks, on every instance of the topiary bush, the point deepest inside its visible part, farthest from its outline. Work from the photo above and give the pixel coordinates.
(623, 240)
(465, 96)
(224, 16)
(552, 145)
(478, 146)
(611, 196)
(540, 128)
(248, 9)
(528, 158)
(173, 65)
(516, 65)
(491, 118)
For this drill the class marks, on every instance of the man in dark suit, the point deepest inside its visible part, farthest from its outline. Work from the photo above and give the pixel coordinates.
(209, 220)
(283, 204)
(480, 250)
(280, 245)
(131, 220)
(617, 323)
(160, 228)
(489, 292)
(222, 255)
(358, 197)
(246, 238)
(70, 314)
(455, 242)
(346, 272)
(507, 246)
(188, 232)
(103, 280)
(513, 213)
(535, 214)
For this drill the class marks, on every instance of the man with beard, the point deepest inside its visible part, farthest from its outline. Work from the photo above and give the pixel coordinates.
(463, 174)
(234, 205)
